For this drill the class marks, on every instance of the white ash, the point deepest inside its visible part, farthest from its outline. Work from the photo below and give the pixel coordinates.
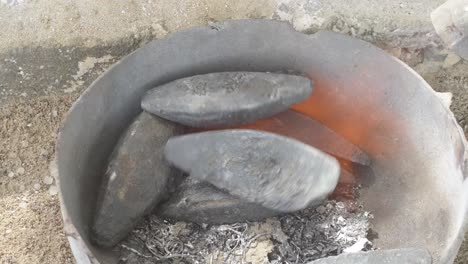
(300, 237)
(325, 231)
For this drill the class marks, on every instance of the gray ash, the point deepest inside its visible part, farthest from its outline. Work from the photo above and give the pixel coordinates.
(300, 237)
(325, 231)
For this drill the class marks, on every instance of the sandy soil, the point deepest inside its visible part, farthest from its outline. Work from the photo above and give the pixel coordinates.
(88, 22)
(31, 227)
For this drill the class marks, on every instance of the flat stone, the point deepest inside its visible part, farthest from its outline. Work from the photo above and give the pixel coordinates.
(226, 98)
(202, 203)
(275, 171)
(136, 179)
(310, 131)
(393, 256)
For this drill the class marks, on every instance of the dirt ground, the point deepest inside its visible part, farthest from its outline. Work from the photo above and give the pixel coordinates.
(49, 51)
(31, 226)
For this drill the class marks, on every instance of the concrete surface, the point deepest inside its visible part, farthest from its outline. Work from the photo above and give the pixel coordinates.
(43, 37)
(51, 50)
(89, 23)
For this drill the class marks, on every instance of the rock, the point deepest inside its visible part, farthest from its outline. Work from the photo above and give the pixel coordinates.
(202, 203)
(451, 60)
(302, 14)
(20, 171)
(136, 179)
(308, 130)
(11, 174)
(450, 21)
(226, 98)
(48, 180)
(393, 256)
(395, 51)
(433, 54)
(275, 171)
(53, 190)
(37, 186)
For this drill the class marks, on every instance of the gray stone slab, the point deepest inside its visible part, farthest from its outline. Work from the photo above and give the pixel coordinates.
(392, 256)
(275, 171)
(226, 98)
(201, 202)
(310, 131)
(136, 179)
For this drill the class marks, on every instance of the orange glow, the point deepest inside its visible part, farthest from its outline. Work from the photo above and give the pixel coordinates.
(357, 113)
(303, 128)
(360, 121)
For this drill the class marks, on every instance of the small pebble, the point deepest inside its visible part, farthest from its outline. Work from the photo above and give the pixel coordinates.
(451, 60)
(53, 190)
(23, 205)
(20, 170)
(11, 174)
(8, 231)
(37, 186)
(48, 180)
(43, 152)
(54, 113)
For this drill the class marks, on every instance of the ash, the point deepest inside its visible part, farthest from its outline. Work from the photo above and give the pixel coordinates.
(301, 237)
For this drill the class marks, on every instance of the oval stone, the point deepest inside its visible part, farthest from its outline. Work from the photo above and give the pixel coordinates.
(226, 98)
(310, 131)
(277, 172)
(202, 203)
(136, 179)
